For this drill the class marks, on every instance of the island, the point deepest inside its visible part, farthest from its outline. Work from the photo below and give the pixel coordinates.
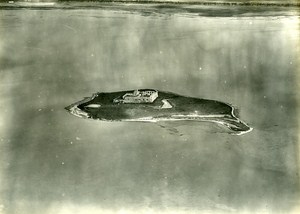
(150, 105)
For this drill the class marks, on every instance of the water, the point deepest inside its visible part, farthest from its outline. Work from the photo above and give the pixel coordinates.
(53, 162)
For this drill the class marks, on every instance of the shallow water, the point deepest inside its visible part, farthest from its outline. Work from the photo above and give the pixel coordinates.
(53, 162)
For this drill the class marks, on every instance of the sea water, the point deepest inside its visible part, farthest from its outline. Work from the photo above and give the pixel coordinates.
(53, 162)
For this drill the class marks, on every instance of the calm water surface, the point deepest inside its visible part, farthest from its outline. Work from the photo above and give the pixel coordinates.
(53, 162)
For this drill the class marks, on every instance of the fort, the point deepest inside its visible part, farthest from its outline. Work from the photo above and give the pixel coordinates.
(138, 96)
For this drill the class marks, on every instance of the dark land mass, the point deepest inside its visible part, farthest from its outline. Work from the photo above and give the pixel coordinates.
(148, 8)
(101, 106)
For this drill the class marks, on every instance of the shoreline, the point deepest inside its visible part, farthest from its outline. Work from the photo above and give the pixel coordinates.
(33, 3)
(183, 108)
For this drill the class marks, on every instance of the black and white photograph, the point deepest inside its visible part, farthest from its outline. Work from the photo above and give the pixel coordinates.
(149, 106)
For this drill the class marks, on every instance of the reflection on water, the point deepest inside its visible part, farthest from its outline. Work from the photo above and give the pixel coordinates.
(52, 162)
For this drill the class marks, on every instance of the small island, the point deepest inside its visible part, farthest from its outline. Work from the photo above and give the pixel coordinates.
(150, 105)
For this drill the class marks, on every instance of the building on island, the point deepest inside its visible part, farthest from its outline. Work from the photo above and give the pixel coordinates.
(138, 96)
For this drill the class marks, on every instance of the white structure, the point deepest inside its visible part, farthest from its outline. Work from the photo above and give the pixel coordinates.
(166, 104)
(138, 96)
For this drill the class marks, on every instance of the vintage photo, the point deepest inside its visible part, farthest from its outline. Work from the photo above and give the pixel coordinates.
(149, 107)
